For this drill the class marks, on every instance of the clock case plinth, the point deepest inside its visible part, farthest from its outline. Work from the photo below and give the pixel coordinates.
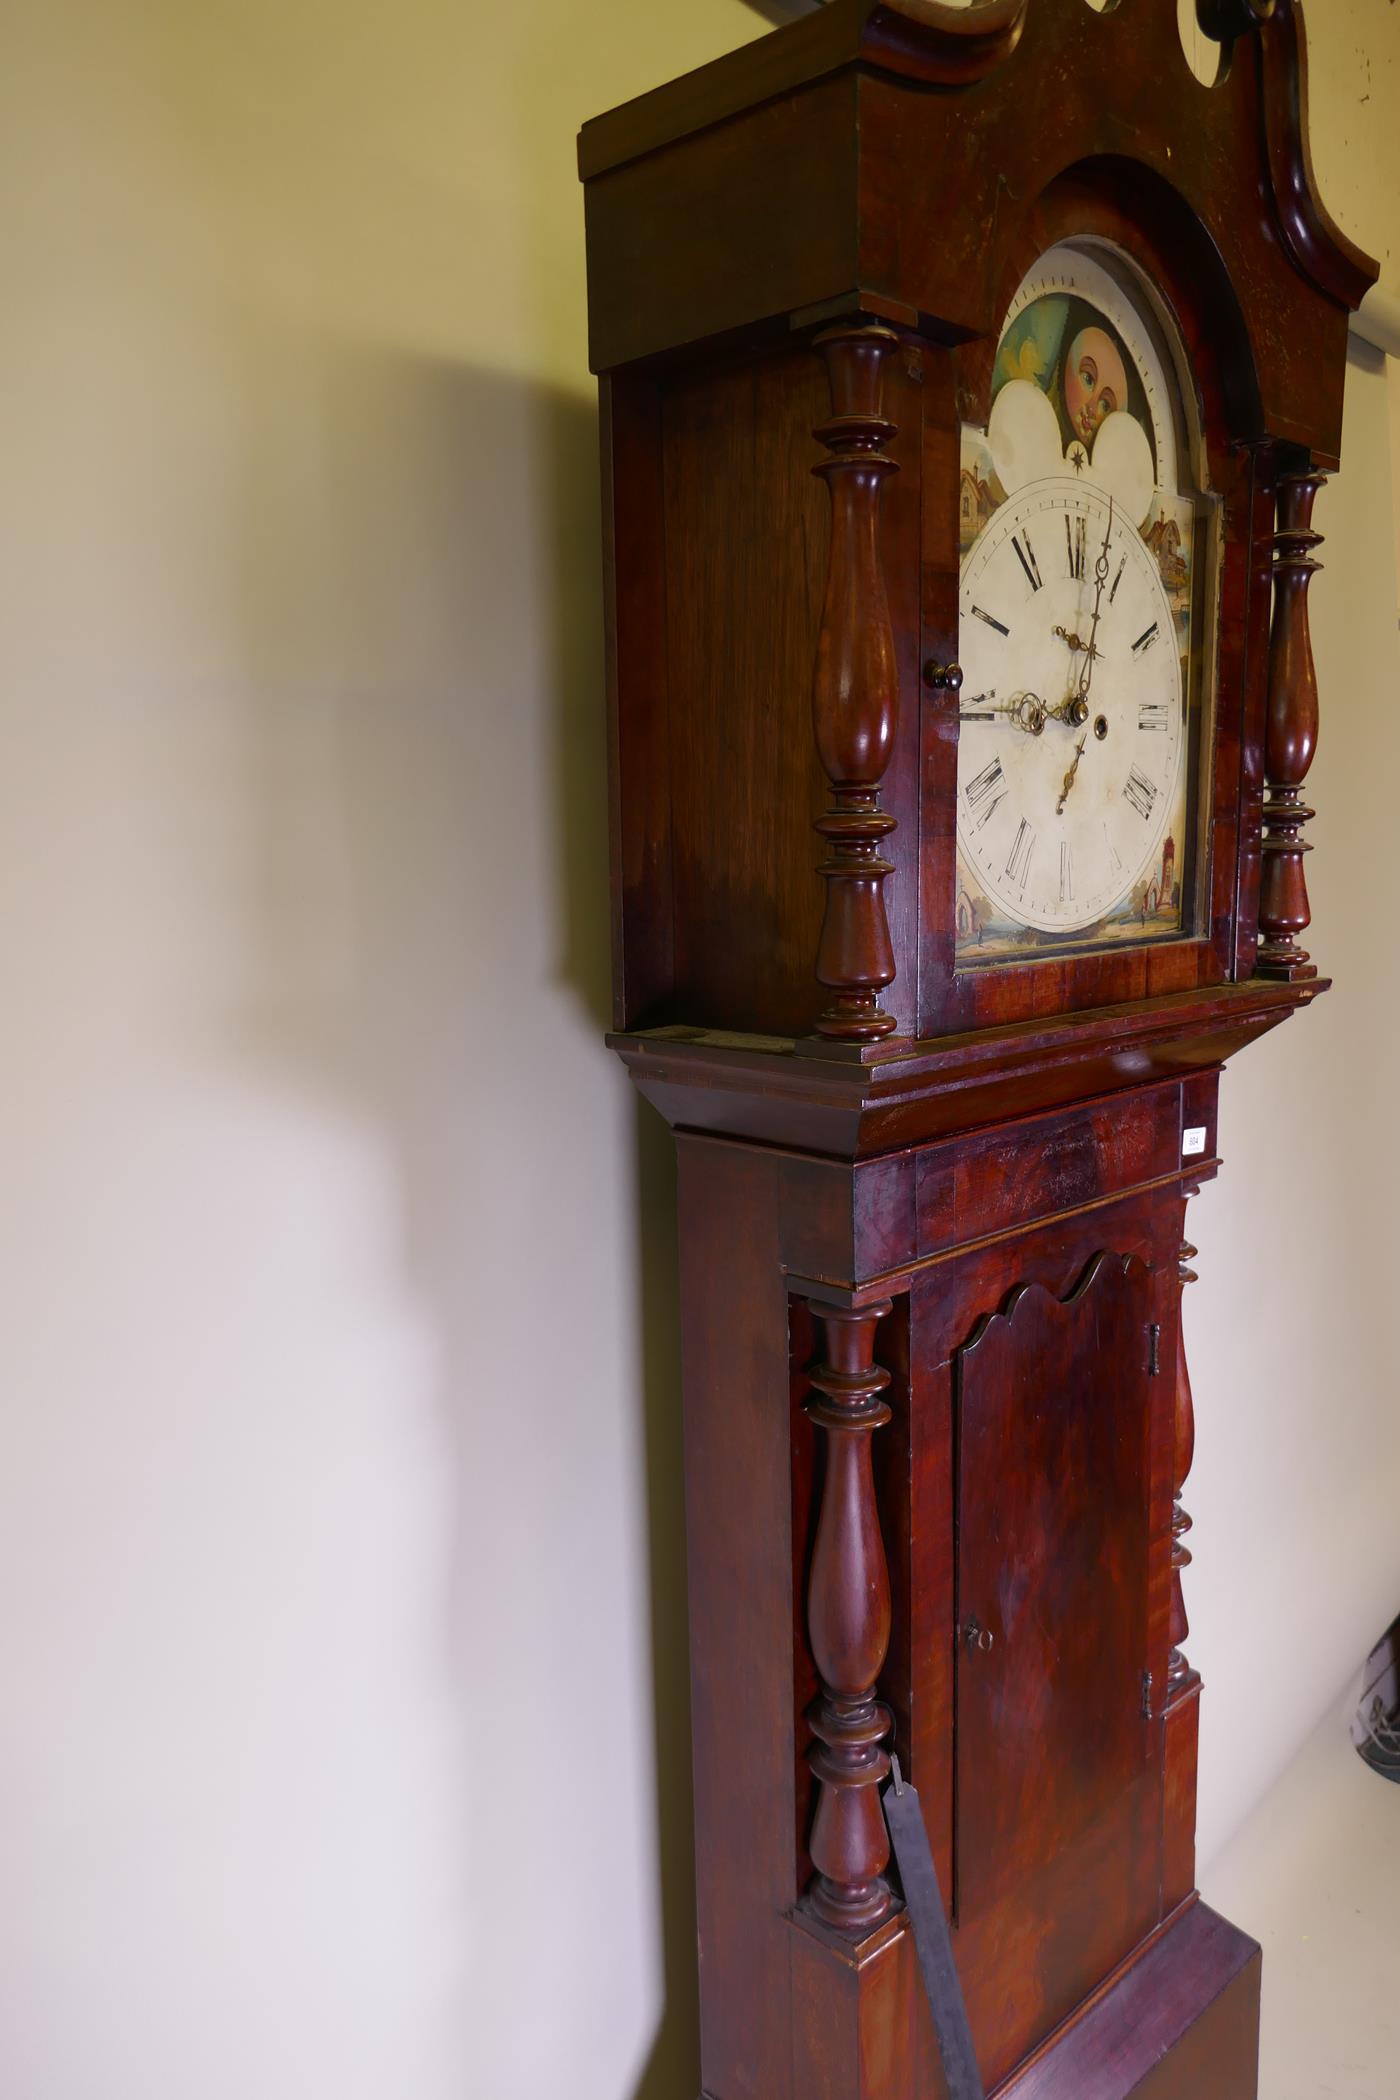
(904, 1187)
(951, 1193)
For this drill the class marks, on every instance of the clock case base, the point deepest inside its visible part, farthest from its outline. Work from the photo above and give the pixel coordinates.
(1180, 2021)
(1012, 1207)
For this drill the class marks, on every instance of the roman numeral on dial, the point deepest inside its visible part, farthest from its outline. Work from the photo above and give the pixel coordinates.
(1018, 860)
(1154, 714)
(1118, 579)
(1076, 542)
(1066, 873)
(1144, 641)
(1141, 792)
(978, 614)
(984, 791)
(1025, 554)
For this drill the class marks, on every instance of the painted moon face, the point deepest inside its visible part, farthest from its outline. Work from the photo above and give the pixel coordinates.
(1096, 381)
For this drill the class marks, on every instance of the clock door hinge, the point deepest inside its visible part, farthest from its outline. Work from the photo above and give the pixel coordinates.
(1147, 1695)
(1154, 1350)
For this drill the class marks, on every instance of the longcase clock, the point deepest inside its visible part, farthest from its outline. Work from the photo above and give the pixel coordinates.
(968, 379)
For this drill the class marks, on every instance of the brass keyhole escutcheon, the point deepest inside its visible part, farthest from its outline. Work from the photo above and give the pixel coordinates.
(979, 1639)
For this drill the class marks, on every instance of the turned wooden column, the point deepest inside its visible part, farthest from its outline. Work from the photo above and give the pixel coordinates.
(855, 691)
(1291, 736)
(1179, 1672)
(848, 1622)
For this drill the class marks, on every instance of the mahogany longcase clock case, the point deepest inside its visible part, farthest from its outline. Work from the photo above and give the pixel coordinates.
(968, 377)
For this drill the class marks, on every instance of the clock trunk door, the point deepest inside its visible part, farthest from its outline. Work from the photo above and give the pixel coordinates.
(1057, 1760)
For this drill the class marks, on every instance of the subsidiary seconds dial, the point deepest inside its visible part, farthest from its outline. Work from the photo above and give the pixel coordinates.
(1072, 722)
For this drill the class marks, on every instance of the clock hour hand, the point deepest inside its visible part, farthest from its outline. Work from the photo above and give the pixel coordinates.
(1074, 710)
(1070, 776)
(1072, 640)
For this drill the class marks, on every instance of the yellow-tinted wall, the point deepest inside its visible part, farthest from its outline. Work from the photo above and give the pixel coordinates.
(340, 1571)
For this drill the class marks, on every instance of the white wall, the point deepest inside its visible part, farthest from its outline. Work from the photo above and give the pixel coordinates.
(1295, 1357)
(340, 1586)
(1295, 1361)
(324, 1527)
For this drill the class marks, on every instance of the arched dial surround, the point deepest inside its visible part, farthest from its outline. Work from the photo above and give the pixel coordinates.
(1082, 535)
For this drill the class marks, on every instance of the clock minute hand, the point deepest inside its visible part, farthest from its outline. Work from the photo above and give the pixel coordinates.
(1101, 569)
(1074, 708)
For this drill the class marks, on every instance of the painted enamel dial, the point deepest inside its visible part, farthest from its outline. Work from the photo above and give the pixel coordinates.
(1083, 691)
(1071, 732)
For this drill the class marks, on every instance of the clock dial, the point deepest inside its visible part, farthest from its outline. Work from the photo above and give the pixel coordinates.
(1080, 638)
(1072, 725)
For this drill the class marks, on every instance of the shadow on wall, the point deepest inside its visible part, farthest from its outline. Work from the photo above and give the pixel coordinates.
(420, 574)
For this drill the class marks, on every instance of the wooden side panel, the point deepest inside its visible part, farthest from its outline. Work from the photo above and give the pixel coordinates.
(638, 717)
(739, 1561)
(746, 532)
(1180, 1742)
(862, 2027)
(826, 1992)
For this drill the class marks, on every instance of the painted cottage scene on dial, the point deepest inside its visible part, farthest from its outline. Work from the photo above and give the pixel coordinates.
(1081, 533)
